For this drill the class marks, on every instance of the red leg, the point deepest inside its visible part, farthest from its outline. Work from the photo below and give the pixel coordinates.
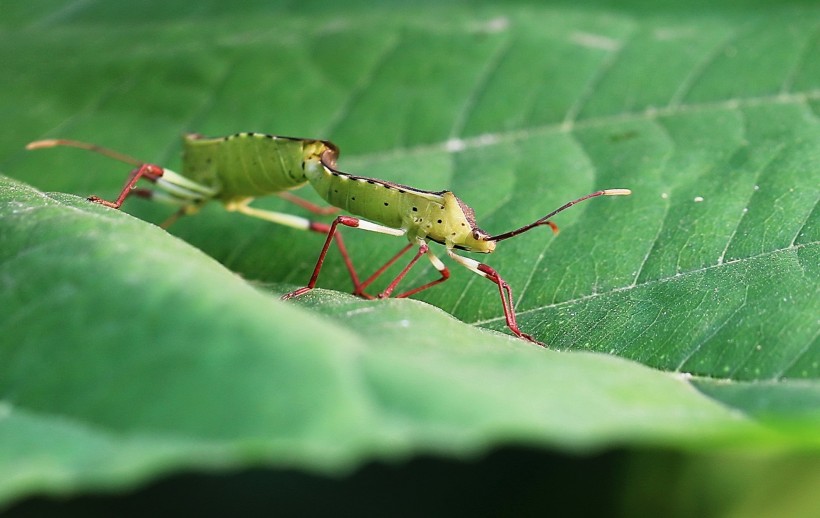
(507, 302)
(147, 194)
(149, 171)
(312, 207)
(395, 282)
(360, 290)
(242, 206)
(445, 274)
(331, 233)
(423, 249)
(340, 244)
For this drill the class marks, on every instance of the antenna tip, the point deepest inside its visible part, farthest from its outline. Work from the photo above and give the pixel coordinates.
(39, 144)
(617, 192)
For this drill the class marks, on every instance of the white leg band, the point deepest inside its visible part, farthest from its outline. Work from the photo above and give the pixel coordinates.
(374, 227)
(470, 264)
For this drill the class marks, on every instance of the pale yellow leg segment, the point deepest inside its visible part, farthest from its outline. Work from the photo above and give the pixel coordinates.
(375, 227)
(288, 220)
(437, 264)
(470, 264)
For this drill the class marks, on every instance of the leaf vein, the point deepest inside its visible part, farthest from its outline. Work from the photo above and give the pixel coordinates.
(697, 71)
(503, 137)
(607, 64)
(488, 71)
(780, 375)
(802, 57)
(652, 282)
(364, 82)
(778, 150)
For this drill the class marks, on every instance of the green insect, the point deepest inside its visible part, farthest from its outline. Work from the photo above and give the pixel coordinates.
(421, 216)
(232, 170)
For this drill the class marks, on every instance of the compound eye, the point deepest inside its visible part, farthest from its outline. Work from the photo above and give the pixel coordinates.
(476, 235)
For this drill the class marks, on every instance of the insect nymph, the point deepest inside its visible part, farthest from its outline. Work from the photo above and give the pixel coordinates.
(238, 168)
(421, 216)
(232, 170)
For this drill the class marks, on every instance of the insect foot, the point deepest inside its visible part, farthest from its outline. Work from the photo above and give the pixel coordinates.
(331, 234)
(505, 291)
(296, 293)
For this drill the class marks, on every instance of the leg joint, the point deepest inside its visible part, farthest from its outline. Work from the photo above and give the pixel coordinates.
(348, 221)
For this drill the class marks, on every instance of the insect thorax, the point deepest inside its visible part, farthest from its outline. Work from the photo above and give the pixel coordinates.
(437, 216)
(458, 228)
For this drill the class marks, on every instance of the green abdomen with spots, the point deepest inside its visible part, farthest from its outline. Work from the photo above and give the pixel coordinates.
(390, 204)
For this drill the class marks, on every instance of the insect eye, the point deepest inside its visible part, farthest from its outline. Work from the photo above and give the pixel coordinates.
(476, 235)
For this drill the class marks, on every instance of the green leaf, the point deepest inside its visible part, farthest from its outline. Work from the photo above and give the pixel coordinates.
(127, 353)
(135, 353)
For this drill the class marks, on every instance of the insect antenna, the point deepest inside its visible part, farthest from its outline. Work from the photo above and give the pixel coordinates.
(116, 155)
(545, 219)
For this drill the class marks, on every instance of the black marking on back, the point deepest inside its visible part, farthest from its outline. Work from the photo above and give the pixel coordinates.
(241, 134)
(384, 183)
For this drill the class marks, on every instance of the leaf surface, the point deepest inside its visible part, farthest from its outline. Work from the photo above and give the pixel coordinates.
(128, 353)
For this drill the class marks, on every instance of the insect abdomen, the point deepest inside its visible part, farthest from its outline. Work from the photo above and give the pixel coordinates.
(246, 164)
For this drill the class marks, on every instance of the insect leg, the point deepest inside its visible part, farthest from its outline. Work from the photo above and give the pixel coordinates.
(348, 221)
(149, 171)
(360, 292)
(289, 220)
(281, 218)
(170, 187)
(187, 205)
(442, 269)
(423, 248)
(503, 289)
(312, 207)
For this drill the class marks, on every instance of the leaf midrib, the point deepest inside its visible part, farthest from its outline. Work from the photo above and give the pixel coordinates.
(651, 282)
(647, 115)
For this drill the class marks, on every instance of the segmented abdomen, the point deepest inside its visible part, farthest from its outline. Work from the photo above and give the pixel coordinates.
(246, 164)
